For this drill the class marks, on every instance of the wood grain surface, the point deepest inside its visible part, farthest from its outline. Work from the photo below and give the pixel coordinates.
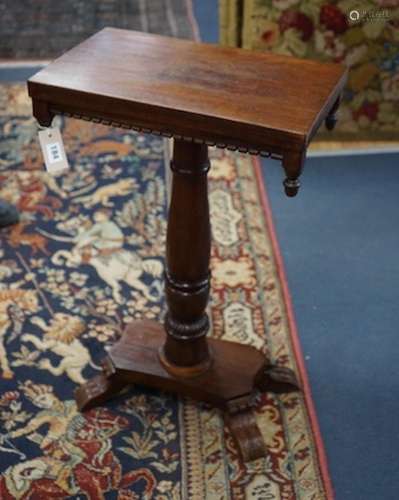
(230, 96)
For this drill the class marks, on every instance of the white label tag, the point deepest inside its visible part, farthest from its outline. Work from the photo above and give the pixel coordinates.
(53, 150)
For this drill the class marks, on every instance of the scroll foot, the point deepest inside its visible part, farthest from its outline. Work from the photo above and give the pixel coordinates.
(99, 389)
(277, 379)
(246, 433)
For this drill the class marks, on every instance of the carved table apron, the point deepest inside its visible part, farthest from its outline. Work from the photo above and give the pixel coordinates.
(201, 95)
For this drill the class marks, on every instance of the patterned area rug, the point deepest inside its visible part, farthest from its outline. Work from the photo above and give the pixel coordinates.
(46, 29)
(63, 302)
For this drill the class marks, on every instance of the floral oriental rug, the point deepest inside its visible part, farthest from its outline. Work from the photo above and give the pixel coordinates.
(63, 303)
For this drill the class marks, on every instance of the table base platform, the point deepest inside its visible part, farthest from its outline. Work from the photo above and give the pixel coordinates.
(235, 374)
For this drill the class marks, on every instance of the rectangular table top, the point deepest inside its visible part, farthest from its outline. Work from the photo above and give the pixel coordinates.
(225, 95)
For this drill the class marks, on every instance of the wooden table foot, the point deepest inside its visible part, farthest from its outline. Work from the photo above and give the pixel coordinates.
(100, 388)
(246, 434)
(277, 379)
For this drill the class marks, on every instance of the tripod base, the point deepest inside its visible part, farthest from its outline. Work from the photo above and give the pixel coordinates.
(235, 374)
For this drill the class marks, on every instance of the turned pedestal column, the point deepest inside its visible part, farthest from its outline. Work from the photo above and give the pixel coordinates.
(187, 277)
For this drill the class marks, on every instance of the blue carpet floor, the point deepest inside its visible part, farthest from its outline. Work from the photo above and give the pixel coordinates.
(340, 239)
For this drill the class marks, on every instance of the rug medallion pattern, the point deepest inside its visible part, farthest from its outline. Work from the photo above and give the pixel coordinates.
(85, 260)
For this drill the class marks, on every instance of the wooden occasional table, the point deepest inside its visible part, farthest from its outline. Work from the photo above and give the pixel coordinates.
(202, 95)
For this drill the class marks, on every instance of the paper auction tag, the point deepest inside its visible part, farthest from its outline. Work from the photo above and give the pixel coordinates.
(53, 150)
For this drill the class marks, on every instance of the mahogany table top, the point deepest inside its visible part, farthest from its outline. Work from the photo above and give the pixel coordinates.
(229, 96)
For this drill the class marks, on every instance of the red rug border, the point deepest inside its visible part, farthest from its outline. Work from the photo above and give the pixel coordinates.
(294, 331)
